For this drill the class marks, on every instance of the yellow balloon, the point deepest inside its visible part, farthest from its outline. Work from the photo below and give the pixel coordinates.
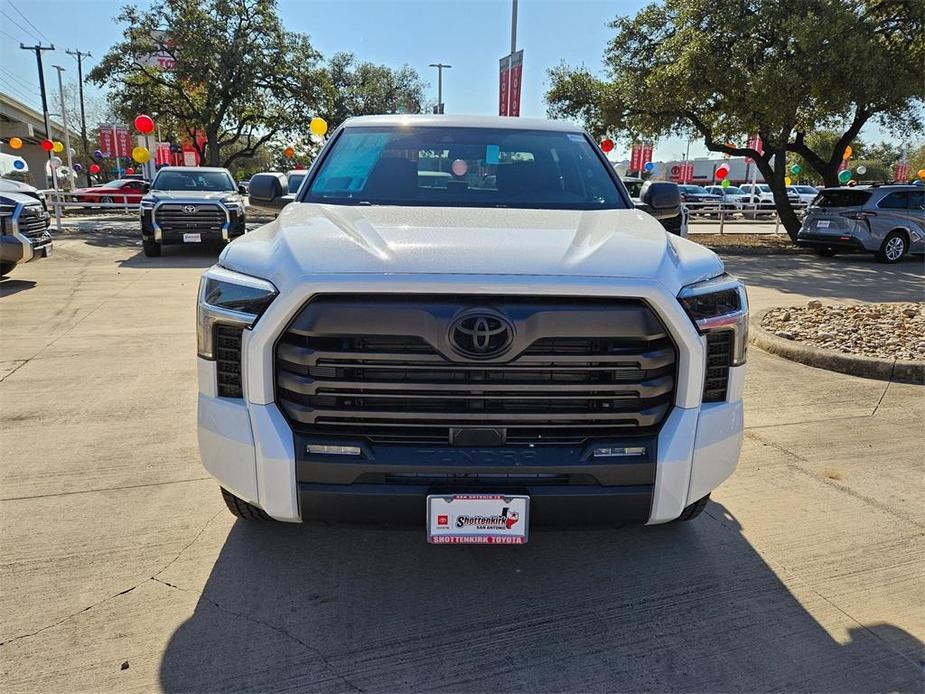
(787, 180)
(58, 146)
(15, 143)
(848, 152)
(318, 126)
(141, 154)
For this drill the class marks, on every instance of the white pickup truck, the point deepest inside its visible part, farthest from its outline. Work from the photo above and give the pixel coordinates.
(466, 323)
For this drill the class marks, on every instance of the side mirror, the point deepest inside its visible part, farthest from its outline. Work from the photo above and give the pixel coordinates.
(242, 189)
(145, 187)
(269, 190)
(660, 199)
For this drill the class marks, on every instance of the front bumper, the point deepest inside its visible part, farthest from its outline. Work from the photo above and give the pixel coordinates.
(18, 247)
(234, 226)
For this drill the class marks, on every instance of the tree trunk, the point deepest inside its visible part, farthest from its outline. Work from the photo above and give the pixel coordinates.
(212, 153)
(774, 177)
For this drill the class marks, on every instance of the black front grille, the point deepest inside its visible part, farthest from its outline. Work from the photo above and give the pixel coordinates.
(175, 217)
(33, 222)
(227, 352)
(339, 373)
(719, 358)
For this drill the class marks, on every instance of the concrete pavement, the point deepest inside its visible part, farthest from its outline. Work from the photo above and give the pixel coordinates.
(121, 569)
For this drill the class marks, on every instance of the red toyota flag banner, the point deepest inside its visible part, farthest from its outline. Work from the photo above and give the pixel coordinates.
(647, 148)
(636, 157)
(510, 76)
(902, 171)
(754, 142)
(107, 140)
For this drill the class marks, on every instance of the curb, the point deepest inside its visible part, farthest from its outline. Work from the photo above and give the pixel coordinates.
(899, 370)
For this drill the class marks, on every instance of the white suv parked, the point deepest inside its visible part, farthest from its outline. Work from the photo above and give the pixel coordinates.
(465, 323)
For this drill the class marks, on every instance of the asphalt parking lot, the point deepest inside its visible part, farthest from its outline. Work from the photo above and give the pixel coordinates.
(121, 569)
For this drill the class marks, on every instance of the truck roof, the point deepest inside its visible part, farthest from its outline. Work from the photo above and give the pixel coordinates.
(192, 168)
(428, 120)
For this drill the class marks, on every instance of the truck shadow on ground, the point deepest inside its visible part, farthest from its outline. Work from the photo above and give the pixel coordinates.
(848, 277)
(190, 256)
(11, 285)
(690, 607)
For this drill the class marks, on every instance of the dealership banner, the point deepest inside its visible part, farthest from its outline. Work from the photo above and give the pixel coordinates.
(755, 143)
(115, 140)
(510, 79)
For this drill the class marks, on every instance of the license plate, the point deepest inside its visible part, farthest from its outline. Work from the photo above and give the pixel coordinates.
(192, 238)
(823, 224)
(477, 519)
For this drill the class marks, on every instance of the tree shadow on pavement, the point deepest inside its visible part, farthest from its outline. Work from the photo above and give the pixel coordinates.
(688, 607)
(189, 256)
(848, 277)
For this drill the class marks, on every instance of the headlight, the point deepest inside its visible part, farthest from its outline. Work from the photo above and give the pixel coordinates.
(230, 298)
(719, 304)
(231, 203)
(148, 204)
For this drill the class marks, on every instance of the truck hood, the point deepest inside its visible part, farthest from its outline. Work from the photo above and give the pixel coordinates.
(309, 239)
(168, 195)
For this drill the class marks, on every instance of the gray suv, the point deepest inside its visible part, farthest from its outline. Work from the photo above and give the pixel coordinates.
(886, 220)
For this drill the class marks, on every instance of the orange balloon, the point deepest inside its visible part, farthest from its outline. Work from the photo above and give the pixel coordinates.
(921, 173)
(848, 152)
(289, 152)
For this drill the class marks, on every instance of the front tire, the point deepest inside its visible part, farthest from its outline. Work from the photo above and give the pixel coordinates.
(893, 249)
(6, 268)
(827, 252)
(694, 510)
(151, 248)
(241, 509)
(105, 200)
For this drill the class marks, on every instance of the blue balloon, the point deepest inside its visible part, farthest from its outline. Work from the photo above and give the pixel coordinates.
(78, 167)
(98, 154)
(650, 166)
(19, 164)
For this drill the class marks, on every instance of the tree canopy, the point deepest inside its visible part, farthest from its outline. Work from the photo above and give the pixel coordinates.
(238, 77)
(781, 69)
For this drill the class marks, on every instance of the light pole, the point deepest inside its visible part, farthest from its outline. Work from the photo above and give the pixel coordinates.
(80, 55)
(67, 134)
(440, 68)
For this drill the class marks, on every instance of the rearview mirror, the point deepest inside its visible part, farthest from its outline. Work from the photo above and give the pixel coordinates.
(269, 190)
(146, 186)
(660, 199)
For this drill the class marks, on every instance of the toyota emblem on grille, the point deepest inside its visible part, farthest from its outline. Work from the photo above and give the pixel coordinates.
(189, 209)
(481, 334)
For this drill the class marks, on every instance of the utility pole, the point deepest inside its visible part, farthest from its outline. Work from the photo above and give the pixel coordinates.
(67, 133)
(440, 68)
(38, 59)
(83, 119)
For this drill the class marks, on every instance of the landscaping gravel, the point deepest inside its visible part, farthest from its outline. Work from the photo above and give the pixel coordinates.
(872, 330)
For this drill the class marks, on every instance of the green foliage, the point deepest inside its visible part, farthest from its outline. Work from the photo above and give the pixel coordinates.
(723, 70)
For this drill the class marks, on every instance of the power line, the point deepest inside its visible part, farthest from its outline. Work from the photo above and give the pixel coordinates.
(16, 77)
(21, 27)
(10, 2)
(18, 92)
(9, 35)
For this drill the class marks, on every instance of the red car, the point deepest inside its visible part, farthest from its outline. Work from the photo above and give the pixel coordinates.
(122, 190)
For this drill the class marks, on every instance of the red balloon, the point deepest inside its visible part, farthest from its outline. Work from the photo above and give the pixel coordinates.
(607, 145)
(94, 168)
(129, 171)
(144, 124)
(48, 145)
(722, 172)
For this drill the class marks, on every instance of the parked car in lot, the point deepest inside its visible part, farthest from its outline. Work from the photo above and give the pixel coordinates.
(699, 201)
(886, 220)
(8, 185)
(764, 192)
(806, 194)
(122, 190)
(191, 205)
(517, 345)
(674, 225)
(24, 232)
(738, 201)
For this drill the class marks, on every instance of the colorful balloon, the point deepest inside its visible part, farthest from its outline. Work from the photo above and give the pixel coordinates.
(48, 145)
(129, 171)
(844, 176)
(55, 161)
(722, 172)
(318, 126)
(94, 168)
(19, 164)
(848, 152)
(725, 183)
(861, 170)
(795, 169)
(144, 124)
(607, 145)
(78, 167)
(649, 166)
(98, 154)
(787, 180)
(921, 173)
(289, 152)
(141, 154)
(15, 143)
(57, 146)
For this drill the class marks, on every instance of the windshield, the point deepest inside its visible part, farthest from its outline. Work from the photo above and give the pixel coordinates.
(700, 190)
(208, 181)
(731, 190)
(469, 167)
(295, 180)
(807, 190)
(114, 184)
(841, 198)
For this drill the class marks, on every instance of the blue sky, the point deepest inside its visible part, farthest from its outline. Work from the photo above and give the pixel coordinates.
(470, 35)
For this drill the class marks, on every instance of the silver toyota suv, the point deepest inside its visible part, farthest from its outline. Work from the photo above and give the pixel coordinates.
(886, 220)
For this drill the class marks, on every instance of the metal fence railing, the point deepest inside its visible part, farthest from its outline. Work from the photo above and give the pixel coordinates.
(733, 213)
